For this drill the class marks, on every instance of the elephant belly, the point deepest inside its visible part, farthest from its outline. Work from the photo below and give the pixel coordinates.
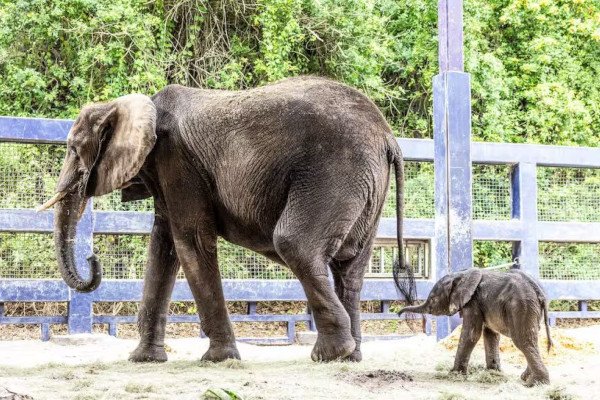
(496, 324)
(251, 236)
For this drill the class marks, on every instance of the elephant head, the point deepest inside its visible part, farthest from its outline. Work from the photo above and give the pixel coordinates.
(450, 294)
(106, 148)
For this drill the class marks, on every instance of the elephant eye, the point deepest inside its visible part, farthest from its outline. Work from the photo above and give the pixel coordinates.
(73, 151)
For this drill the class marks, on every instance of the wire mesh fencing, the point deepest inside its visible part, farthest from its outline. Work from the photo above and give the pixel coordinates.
(28, 176)
(491, 192)
(28, 173)
(122, 256)
(491, 253)
(568, 194)
(112, 202)
(239, 263)
(569, 261)
(27, 256)
(418, 192)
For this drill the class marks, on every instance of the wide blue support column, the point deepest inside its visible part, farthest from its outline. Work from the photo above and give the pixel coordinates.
(452, 153)
(80, 304)
(524, 208)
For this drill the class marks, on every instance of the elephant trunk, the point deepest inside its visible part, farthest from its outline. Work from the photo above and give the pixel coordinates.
(420, 309)
(66, 216)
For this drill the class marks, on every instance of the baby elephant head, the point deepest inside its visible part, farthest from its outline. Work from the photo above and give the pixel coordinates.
(449, 294)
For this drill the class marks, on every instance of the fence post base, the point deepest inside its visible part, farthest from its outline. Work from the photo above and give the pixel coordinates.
(80, 313)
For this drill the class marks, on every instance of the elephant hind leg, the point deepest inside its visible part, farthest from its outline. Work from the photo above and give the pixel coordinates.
(536, 372)
(348, 277)
(306, 237)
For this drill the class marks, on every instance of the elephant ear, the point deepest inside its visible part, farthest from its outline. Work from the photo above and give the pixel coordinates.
(464, 284)
(127, 135)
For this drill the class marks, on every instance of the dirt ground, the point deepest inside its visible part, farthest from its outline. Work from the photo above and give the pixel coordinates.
(412, 368)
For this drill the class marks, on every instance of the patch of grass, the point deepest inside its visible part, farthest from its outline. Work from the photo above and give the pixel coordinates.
(221, 394)
(28, 371)
(559, 393)
(82, 384)
(344, 368)
(484, 375)
(451, 396)
(450, 376)
(443, 366)
(233, 364)
(85, 396)
(137, 388)
(477, 373)
(96, 367)
(229, 363)
(63, 375)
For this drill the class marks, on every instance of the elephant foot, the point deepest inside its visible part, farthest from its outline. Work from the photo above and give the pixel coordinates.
(217, 353)
(460, 370)
(356, 356)
(148, 353)
(494, 367)
(525, 375)
(333, 347)
(533, 380)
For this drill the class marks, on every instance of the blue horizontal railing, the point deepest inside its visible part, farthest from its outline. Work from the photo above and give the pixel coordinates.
(522, 228)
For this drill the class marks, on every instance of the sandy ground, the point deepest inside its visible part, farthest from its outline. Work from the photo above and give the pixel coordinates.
(413, 368)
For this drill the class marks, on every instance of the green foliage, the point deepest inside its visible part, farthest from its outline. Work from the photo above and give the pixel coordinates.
(281, 39)
(534, 63)
(489, 254)
(57, 55)
(27, 255)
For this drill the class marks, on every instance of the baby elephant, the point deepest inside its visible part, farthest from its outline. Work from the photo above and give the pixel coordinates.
(509, 303)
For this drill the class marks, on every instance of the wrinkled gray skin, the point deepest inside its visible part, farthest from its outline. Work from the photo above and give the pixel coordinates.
(297, 171)
(508, 303)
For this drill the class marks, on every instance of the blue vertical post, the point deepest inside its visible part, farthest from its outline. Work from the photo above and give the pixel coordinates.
(524, 208)
(80, 304)
(452, 152)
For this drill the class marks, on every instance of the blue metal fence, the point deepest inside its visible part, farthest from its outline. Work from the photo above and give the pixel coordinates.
(450, 233)
(523, 229)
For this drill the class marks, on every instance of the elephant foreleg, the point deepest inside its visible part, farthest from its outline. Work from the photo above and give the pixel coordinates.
(469, 336)
(491, 341)
(197, 252)
(161, 272)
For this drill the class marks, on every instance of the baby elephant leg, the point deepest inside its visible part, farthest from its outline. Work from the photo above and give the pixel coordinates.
(469, 336)
(536, 372)
(491, 341)
(525, 374)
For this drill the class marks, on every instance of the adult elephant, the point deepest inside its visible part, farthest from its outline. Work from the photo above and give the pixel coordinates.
(297, 171)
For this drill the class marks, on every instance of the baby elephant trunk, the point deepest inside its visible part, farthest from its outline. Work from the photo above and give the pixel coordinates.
(421, 309)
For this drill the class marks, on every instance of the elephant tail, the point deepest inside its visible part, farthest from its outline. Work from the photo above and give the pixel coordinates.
(403, 275)
(547, 324)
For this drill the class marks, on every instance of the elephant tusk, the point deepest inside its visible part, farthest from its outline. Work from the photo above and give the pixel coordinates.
(56, 198)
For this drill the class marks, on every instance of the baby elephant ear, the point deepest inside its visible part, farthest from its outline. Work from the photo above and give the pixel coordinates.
(463, 286)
